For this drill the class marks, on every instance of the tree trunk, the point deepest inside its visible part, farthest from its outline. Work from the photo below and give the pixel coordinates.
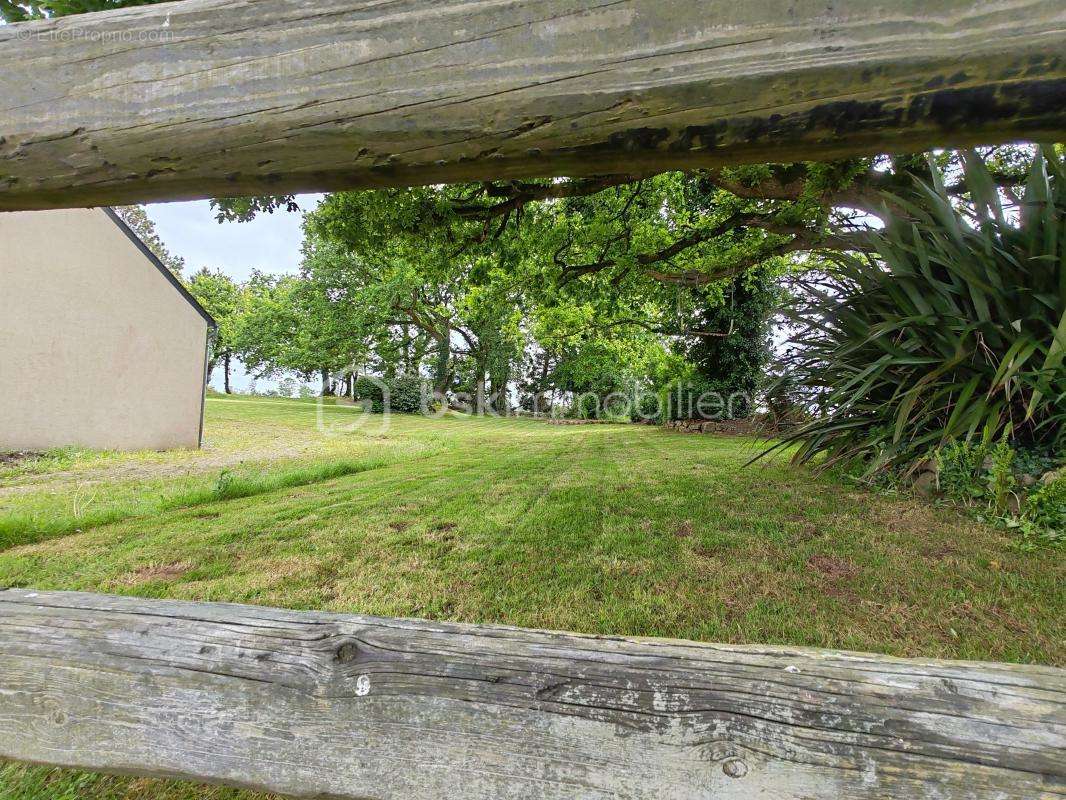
(479, 389)
(541, 395)
(225, 373)
(443, 367)
(325, 382)
(500, 380)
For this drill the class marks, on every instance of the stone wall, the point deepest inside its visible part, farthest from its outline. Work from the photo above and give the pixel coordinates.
(725, 427)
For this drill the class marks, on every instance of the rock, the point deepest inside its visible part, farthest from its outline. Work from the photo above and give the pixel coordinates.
(1014, 504)
(926, 484)
(928, 465)
(1053, 475)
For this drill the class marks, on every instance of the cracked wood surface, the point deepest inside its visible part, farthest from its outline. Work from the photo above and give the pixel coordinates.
(227, 97)
(327, 705)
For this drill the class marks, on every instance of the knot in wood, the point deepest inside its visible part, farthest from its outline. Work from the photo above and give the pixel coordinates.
(735, 768)
(346, 653)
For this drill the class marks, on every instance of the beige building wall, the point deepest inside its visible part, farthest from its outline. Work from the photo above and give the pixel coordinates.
(97, 348)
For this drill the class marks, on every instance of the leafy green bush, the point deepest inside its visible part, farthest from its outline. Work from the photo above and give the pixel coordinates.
(647, 406)
(959, 471)
(409, 394)
(994, 480)
(369, 390)
(1046, 507)
(586, 406)
(952, 328)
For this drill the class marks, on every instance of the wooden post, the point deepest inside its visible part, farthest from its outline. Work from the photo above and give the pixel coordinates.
(328, 705)
(214, 98)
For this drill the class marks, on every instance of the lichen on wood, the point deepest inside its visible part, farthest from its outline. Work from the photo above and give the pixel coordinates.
(313, 704)
(213, 98)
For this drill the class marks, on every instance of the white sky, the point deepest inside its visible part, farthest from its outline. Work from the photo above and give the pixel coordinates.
(270, 243)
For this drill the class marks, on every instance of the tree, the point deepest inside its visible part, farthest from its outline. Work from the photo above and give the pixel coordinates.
(676, 229)
(141, 224)
(729, 342)
(220, 295)
(418, 293)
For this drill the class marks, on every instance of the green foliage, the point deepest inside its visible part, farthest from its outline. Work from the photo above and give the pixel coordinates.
(648, 406)
(222, 298)
(960, 467)
(409, 394)
(686, 397)
(1001, 480)
(370, 390)
(141, 224)
(992, 480)
(23, 10)
(954, 330)
(729, 345)
(1046, 507)
(244, 209)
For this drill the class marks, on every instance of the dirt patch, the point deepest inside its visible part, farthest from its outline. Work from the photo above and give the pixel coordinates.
(809, 529)
(940, 552)
(445, 526)
(684, 530)
(16, 457)
(399, 525)
(832, 568)
(158, 572)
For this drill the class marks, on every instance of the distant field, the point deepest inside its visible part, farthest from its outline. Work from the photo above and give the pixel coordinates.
(618, 529)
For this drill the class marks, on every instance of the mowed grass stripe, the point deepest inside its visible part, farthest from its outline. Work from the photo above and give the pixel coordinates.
(604, 529)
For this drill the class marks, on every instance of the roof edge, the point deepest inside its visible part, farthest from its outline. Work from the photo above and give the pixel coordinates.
(159, 265)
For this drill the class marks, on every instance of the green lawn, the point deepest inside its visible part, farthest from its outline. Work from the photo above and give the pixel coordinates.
(619, 529)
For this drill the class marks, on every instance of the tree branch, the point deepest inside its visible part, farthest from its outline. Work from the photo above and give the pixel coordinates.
(517, 194)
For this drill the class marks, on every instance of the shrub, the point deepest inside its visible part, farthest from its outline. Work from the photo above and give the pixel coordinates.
(959, 471)
(953, 328)
(1046, 507)
(994, 480)
(368, 390)
(587, 406)
(410, 394)
(647, 406)
(696, 397)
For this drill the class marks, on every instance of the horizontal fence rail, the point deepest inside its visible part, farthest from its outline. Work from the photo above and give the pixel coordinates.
(209, 98)
(336, 706)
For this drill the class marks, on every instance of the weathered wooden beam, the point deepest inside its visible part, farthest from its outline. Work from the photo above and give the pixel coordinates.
(214, 97)
(328, 705)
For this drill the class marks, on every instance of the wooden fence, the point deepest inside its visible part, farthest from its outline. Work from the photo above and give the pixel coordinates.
(336, 706)
(215, 98)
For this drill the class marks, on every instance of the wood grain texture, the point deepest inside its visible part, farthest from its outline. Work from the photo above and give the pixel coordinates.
(335, 706)
(226, 97)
